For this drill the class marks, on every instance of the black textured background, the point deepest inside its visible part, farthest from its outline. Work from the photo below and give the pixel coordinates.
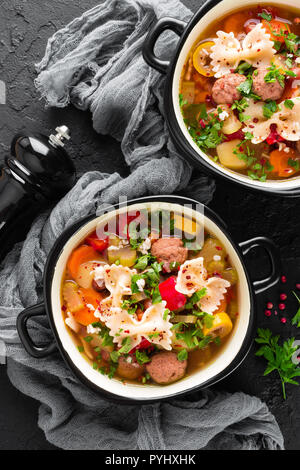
(25, 26)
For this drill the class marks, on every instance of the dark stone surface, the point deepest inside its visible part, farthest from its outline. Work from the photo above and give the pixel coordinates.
(25, 26)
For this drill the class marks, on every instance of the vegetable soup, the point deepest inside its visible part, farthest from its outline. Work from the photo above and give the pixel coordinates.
(239, 92)
(144, 303)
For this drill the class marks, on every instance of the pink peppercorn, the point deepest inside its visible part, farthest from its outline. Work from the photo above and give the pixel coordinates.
(283, 296)
(298, 286)
(269, 305)
(283, 320)
(275, 312)
(281, 306)
(283, 279)
(268, 313)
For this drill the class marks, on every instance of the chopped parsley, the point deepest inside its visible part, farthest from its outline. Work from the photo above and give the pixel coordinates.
(274, 74)
(265, 15)
(269, 108)
(142, 357)
(289, 104)
(182, 355)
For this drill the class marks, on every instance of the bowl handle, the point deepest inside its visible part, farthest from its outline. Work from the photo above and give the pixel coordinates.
(161, 25)
(32, 348)
(274, 256)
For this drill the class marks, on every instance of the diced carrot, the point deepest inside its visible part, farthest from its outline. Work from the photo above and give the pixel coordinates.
(85, 316)
(277, 29)
(79, 256)
(279, 160)
(235, 23)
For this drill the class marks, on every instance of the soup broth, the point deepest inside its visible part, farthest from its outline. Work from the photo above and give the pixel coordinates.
(148, 302)
(239, 92)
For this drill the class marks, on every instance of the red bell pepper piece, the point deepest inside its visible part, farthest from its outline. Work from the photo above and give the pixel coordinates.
(174, 299)
(235, 135)
(97, 243)
(274, 137)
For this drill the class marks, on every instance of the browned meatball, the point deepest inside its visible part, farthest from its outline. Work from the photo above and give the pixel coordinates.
(169, 251)
(129, 368)
(165, 368)
(225, 88)
(267, 91)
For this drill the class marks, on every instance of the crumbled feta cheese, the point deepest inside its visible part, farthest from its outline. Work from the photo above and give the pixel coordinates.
(145, 246)
(281, 146)
(297, 60)
(217, 258)
(286, 149)
(92, 330)
(223, 115)
(129, 360)
(91, 307)
(140, 284)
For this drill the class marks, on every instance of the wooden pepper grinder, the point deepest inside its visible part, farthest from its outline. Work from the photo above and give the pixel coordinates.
(38, 172)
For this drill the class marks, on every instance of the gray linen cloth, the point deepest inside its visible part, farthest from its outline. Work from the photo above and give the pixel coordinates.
(95, 63)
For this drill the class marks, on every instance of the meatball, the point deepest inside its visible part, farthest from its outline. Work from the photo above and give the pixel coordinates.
(129, 368)
(166, 368)
(225, 88)
(298, 146)
(169, 251)
(266, 91)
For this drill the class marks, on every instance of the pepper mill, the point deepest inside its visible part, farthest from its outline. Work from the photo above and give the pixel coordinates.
(38, 172)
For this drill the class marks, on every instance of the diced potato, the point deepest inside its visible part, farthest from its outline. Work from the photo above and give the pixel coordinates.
(85, 273)
(228, 158)
(97, 341)
(212, 247)
(230, 275)
(231, 124)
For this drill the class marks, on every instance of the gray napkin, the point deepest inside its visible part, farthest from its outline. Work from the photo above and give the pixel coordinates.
(95, 62)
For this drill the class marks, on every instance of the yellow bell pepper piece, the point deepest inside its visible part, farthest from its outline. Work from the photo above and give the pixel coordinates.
(201, 59)
(222, 326)
(185, 225)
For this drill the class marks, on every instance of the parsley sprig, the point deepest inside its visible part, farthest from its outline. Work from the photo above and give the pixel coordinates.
(279, 357)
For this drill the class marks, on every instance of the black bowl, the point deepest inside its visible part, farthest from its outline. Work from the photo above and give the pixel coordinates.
(241, 249)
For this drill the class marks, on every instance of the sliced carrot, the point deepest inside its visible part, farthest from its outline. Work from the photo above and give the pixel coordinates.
(277, 29)
(79, 256)
(235, 23)
(279, 160)
(91, 300)
(91, 297)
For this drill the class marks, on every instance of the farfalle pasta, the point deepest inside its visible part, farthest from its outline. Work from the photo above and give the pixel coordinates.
(286, 120)
(238, 94)
(192, 277)
(256, 49)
